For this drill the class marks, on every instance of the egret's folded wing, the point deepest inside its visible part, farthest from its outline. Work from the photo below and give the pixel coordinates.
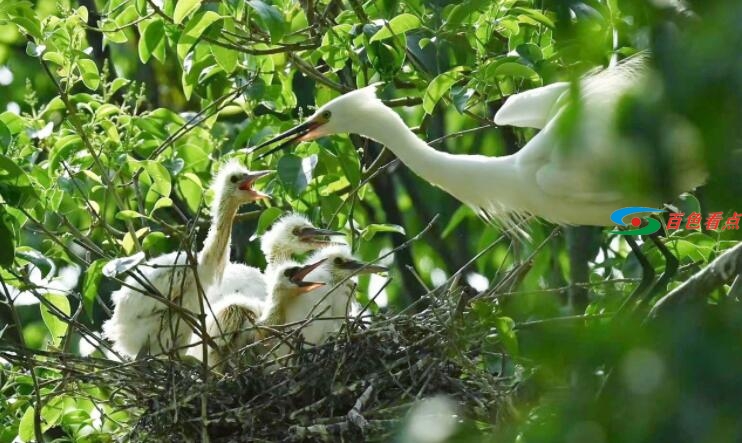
(575, 185)
(531, 109)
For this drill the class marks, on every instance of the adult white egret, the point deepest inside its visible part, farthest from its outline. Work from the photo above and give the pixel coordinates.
(139, 319)
(573, 179)
(325, 310)
(292, 235)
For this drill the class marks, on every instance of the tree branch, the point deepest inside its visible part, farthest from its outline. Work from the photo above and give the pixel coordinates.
(719, 272)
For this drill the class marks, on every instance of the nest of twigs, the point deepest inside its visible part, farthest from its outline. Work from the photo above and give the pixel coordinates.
(357, 387)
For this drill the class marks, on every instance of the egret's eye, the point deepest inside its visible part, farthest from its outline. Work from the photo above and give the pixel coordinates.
(326, 115)
(234, 178)
(338, 261)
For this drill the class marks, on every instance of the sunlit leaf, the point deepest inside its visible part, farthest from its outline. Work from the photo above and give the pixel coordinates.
(438, 87)
(183, 8)
(193, 30)
(89, 73)
(396, 26)
(58, 305)
(152, 40)
(90, 285)
(506, 333)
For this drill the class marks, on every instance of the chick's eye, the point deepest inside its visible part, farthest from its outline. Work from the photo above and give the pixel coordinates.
(288, 272)
(338, 261)
(295, 232)
(234, 179)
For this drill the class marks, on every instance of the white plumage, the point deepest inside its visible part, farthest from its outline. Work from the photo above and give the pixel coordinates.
(244, 289)
(139, 320)
(231, 326)
(293, 235)
(326, 309)
(241, 318)
(570, 177)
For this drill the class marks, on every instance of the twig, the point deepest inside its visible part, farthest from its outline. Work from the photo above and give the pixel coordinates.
(721, 271)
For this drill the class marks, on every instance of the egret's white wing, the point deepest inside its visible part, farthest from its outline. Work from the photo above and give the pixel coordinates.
(533, 108)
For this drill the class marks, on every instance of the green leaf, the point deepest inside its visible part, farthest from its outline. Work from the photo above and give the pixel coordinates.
(535, 15)
(183, 8)
(90, 285)
(295, 173)
(120, 265)
(7, 246)
(516, 70)
(266, 220)
(54, 57)
(506, 332)
(12, 173)
(57, 326)
(152, 40)
(271, 18)
(225, 57)
(371, 230)
(193, 30)
(128, 214)
(396, 26)
(89, 72)
(460, 12)
(439, 86)
(161, 184)
(112, 33)
(5, 137)
(25, 427)
(163, 202)
(155, 243)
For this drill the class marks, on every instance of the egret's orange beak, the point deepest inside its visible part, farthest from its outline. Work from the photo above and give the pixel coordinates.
(306, 131)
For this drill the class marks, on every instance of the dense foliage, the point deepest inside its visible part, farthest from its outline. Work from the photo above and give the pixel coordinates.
(115, 114)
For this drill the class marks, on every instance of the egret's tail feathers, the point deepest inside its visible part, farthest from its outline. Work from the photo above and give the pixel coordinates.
(531, 109)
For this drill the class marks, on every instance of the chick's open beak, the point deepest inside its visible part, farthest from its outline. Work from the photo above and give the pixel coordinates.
(301, 273)
(362, 268)
(250, 180)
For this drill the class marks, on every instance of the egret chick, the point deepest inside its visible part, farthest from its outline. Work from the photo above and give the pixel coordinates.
(327, 308)
(231, 326)
(239, 319)
(286, 287)
(142, 322)
(292, 235)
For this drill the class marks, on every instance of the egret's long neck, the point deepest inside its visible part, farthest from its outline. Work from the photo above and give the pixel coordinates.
(213, 257)
(458, 175)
